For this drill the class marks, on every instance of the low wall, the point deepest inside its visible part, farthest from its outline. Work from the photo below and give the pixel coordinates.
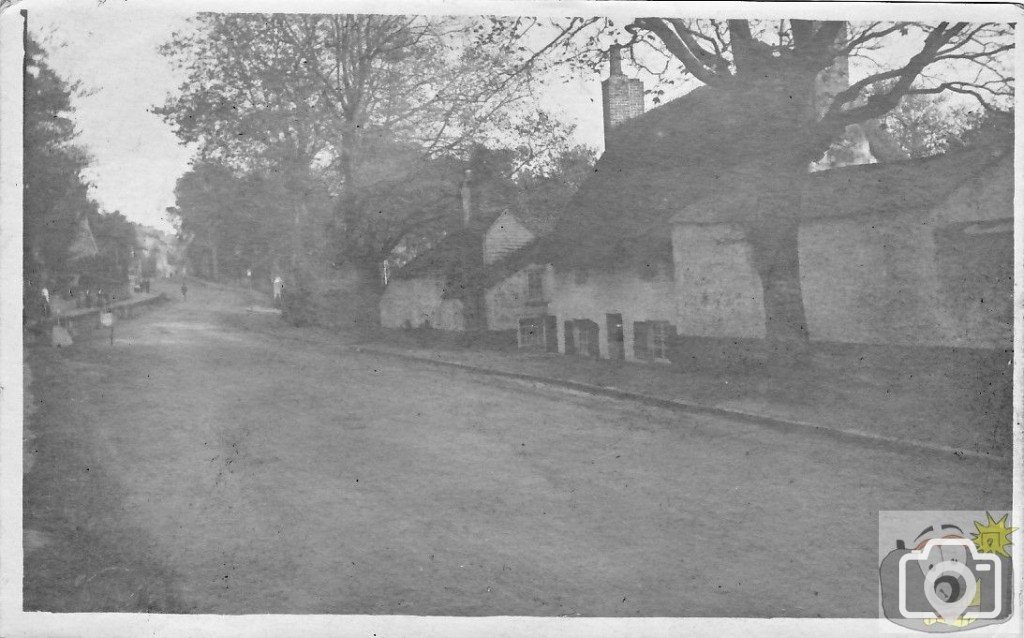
(88, 319)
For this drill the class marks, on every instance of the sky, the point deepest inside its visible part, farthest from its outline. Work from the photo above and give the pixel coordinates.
(112, 49)
(113, 53)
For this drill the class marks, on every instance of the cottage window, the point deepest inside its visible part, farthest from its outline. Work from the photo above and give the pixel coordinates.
(587, 334)
(535, 285)
(652, 340)
(641, 340)
(661, 339)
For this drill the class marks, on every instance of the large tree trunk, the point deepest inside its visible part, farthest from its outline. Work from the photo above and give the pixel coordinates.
(362, 307)
(774, 232)
(776, 256)
(349, 214)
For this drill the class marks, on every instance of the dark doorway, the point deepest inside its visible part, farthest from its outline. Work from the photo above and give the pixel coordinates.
(570, 341)
(616, 340)
(550, 333)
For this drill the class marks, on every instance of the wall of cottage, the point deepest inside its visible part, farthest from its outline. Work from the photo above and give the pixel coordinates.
(718, 290)
(415, 302)
(939, 277)
(508, 301)
(610, 292)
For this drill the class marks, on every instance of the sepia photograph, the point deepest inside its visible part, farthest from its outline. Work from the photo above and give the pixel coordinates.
(496, 318)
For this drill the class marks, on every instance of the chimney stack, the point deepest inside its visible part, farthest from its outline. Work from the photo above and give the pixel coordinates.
(622, 97)
(615, 60)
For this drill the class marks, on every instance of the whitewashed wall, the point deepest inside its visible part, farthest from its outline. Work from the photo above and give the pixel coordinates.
(604, 293)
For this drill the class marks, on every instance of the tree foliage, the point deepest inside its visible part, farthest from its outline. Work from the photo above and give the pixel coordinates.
(56, 194)
(786, 57)
(358, 100)
(231, 220)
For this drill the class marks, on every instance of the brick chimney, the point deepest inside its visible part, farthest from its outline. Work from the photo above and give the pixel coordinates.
(622, 97)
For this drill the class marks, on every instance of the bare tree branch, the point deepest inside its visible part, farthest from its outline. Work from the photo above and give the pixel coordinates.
(678, 48)
(880, 104)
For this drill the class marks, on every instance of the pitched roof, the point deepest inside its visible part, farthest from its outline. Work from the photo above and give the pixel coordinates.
(84, 244)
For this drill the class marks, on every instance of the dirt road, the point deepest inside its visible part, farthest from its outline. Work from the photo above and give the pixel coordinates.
(252, 471)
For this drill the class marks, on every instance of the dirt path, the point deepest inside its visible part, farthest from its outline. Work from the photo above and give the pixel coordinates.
(268, 474)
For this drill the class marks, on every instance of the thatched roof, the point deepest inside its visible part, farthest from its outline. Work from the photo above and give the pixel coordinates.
(653, 166)
(442, 259)
(445, 258)
(906, 185)
(539, 222)
(855, 190)
(696, 159)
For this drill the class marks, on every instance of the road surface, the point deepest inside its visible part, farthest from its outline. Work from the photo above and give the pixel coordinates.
(250, 470)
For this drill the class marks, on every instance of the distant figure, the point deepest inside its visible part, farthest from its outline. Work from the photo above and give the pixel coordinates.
(184, 291)
(46, 302)
(59, 336)
(145, 286)
(278, 290)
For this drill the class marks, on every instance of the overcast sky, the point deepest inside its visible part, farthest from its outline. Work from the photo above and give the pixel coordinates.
(112, 49)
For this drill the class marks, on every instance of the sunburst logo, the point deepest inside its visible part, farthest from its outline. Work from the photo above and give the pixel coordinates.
(993, 536)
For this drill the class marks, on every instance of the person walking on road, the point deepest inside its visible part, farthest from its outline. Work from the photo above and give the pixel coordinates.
(184, 291)
(278, 290)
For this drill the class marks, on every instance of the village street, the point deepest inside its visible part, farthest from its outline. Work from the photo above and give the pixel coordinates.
(261, 471)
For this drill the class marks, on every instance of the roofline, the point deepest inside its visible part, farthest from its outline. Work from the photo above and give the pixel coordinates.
(994, 157)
